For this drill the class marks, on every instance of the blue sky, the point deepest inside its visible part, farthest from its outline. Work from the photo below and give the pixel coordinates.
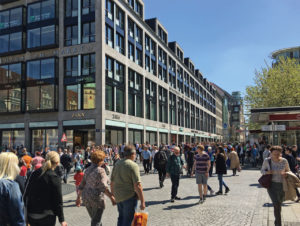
(228, 39)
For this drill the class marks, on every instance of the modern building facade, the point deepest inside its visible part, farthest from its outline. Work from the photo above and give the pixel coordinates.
(237, 118)
(99, 73)
(293, 52)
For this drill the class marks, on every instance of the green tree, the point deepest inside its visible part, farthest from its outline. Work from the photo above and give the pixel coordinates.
(276, 86)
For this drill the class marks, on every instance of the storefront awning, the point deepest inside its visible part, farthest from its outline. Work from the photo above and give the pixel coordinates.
(12, 126)
(79, 122)
(43, 124)
(149, 128)
(135, 126)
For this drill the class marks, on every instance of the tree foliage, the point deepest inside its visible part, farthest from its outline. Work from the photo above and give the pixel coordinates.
(276, 86)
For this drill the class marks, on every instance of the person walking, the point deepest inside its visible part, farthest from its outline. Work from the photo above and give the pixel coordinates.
(126, 186)
(221, 169)
(211, 154)
(160, 164)
(234, 162)
(174, 168)
(190, 161)
(201, 167)
(277, 167)
(43, 195)
(66, 162)
(38, 159)
(146, 155)
(93, 188)
(11, 204)
(267, 152)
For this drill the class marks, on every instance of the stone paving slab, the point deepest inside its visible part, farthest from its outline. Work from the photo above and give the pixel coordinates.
(245, 205)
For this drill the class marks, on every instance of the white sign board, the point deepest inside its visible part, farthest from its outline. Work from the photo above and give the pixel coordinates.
(266, 128)
(280, 128)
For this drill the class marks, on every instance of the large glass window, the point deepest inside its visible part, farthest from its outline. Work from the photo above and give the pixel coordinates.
(71, 66)
(12, 139)
(109, 35)
(42, 10)
(135, 96)
(109, 9)
(89, 96)
(41, 69)
(151, 95)
(80, 96)
(11, 18)
(11, 42)
(115, 86)
(131, 51)
(88, 32)
(10, 100)
(71, 34)
(42, 138)
(71, 8)
(88, 64)
(120, 43)
(138, 8)
(172, 108)
(11, 73)
(130, 28)
(88, 6)
(72, 99)
(40, 98)
(163, 105)
(120, 18)
(42, 36)
(139, 57)
(138, 35)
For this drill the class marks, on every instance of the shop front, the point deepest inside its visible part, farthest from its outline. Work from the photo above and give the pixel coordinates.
(151, 135)
(135, 134)
(163, 136)
(114, 132)
(79, 133)
(12, 136)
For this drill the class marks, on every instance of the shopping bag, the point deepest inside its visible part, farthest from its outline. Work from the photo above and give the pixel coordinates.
(140, 219)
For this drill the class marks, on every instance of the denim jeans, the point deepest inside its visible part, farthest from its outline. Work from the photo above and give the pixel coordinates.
(126, 211)
(221, 182)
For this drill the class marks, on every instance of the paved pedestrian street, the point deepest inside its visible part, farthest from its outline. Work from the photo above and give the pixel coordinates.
(245, 205)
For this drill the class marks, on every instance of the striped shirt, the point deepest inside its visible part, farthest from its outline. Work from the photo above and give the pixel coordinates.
(201, 162)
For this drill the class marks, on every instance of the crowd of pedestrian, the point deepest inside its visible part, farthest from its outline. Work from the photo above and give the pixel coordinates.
(32, 184)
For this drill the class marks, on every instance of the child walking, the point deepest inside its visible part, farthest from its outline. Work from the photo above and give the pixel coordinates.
(78, 177)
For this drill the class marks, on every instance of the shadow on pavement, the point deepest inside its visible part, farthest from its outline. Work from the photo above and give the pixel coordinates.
(271, 204)
(197, 197)
(182, 206)
(149, 189)
(255, 185)
(152, 203)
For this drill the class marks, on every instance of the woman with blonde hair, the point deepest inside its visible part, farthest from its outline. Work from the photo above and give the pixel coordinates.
(11, 205)
(43, 194)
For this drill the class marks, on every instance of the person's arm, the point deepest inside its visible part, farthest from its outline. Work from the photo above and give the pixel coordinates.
(139, 191)
(57, 199)
(265, 168)
(208, 167)
(193, 169)
(168, 168)
(15, 206)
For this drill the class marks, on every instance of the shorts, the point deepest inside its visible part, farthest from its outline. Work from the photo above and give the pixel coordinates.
(201, 178)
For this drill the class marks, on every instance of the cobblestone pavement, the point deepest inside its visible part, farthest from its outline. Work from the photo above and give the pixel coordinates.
(245, 205)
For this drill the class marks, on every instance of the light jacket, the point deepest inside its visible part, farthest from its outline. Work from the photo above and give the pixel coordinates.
(290, 183)
(234, 160)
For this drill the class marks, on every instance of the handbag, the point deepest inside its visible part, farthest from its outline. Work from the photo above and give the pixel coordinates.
(140, 219)
(266, 180)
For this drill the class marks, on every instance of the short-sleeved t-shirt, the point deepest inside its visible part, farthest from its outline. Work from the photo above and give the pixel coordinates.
(125, 174)
(146, 154)
(201, 163)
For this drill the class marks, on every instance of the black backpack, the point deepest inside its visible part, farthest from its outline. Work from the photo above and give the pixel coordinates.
(162, 158)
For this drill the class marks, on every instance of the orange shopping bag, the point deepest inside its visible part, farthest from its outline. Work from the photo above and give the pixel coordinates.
(140, 219)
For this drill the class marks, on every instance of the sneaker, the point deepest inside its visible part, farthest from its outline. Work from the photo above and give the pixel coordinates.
(212, 192)
(172, 200)
(161, 184)
(204, 198)
(200, 201)
(227, 190)
(219, 193)
(177, 198)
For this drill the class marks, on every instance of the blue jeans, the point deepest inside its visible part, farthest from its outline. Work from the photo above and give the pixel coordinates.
(221, 182)
(126, 211)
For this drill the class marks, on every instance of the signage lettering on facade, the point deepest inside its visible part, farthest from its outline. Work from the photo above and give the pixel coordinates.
(78, 115)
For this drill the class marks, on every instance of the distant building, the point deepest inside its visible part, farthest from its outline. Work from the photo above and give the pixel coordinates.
(293, 52)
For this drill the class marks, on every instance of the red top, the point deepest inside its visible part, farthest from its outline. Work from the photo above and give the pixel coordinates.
(78, 178)
(23, 171)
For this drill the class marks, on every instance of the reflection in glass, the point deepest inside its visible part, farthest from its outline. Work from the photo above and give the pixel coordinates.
(48, 9)
(4, 74)
(15, 42)
(119, 100)
(48, 68)
(72, 97)
(15, 72)
(33, 38)
(89, 96)
(48, 35)
(47, 97)
(33, 98)
(131, 104)
(13, 139)
(109, 96)
(14, 100)
(3, 100)
(33, 12)
(16, 17)
(4, 43)
(139, 106)
(33, 70)
(4, 19)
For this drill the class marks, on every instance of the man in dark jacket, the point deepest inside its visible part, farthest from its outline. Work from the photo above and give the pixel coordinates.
(190, 161)
(66, 162)
(174, 168)
(160, 163)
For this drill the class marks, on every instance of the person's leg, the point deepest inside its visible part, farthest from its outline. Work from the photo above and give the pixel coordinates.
(204, 190)
(220, 182)
(128, 211)
(175, 184)
(164, 172)
(200, 191)
(120, 210)
(96, 215)
(211, 169)
(148, 165)
(145, 166)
